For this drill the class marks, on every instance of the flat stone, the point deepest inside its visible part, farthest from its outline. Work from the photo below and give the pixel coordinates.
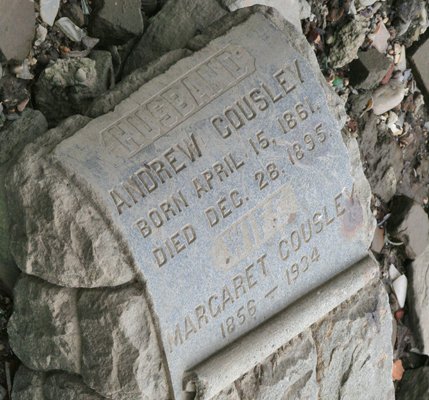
(420, 63)
(418, 295)
(369, 69)
(27, 384)
(115, 22)
(414, 384)
(43, 330)
(121, 358)
(171, 28)
(17, 21)
(175, 182)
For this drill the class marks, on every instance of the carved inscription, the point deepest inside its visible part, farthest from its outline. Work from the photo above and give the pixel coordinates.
(178, 101)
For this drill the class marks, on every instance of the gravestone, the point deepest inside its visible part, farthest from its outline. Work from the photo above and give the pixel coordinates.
(225, 187)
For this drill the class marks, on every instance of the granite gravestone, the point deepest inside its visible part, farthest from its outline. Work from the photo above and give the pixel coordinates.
(227, 184)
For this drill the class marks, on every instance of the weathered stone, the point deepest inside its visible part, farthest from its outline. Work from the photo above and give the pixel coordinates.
(28, 384)
(13, 138)
(61, 386)
(43, 330)
(383, 159)
(107, 101)
(410, 225)
(291, 10)
(414, 385)
(70, 85)
(116, 21)
(293, 190)
(340, 357)
(88, 254)
(420, 63)
(33, 385)
(172, 28)
(347, 42)
(388, 96)
(369, 69)
(17, 20)
(121, 358)
(418, 296)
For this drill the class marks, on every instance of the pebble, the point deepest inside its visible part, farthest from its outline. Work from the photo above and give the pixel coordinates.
(41, 33)
(387, 97)
(49, 10)
(80, 75)
(380, 38)
(400, 285)
(393, 272)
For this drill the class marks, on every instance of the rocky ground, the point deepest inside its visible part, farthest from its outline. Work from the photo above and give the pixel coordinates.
(63, 57)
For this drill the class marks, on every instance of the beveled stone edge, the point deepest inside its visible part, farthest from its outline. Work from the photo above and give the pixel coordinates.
(217, 372)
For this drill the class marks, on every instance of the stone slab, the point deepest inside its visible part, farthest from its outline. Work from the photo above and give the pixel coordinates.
(420, 63)
(227, 183)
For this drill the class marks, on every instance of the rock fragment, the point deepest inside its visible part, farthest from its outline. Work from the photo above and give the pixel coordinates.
(369, 69)
(17, 19)
(28, 384)
(115, 22)
(387, 97)
(418, 294)
(189, 17)
(410, 225)
(347, 42)
(120, 354)
(420, 64)
(49, 10)
(43, 329)
(414, 384)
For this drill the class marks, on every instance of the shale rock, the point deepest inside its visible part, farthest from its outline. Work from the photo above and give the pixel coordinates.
(82, 250)
(418, 295)
(120, 352)
(115, 22)
(43, 329)
(414, 385)
(172, 28)
(330, 359)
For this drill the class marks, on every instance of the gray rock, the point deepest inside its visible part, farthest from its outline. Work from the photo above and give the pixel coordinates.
(347, 42)
(115, 21)
(420, 64)
(410, 225)
(17, 19)
(62, 386)
(43, 329)
(107, 101)
(33, 385)
(382, 158)
(120, 352)
(13, 137)
(347, 356)
(369, 69)
(414, 385)
(418, 296)
(291, 10)
(28, 384)
(70, 85)
(172, 28)
(81, 252)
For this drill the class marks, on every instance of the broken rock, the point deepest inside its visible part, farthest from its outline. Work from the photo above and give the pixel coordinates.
(43, 329)
(414, 385)
(170, 29)
(115, 22)
(369, 69)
